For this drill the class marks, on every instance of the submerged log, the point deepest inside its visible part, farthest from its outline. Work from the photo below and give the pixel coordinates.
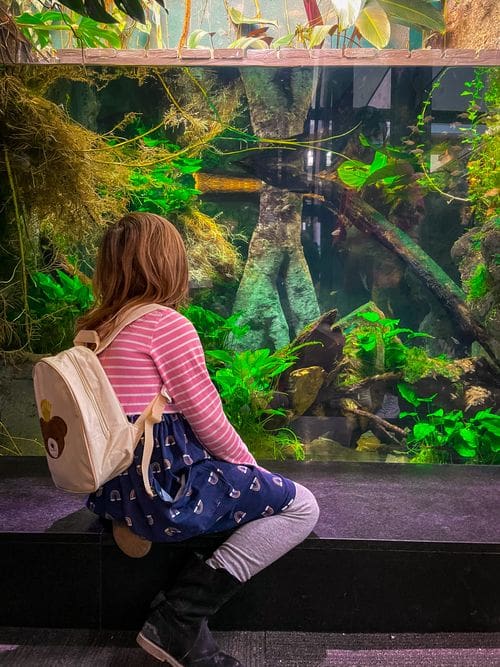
(368, 220)
(276, 294)
(451, 297)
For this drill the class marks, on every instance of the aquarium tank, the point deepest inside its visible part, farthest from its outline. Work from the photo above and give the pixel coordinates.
(341, 221)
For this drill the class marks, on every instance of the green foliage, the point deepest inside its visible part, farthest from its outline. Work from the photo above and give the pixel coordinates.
(55, 303)
(376, 343)
(419, 364)
(246, 382)
(214, 330)
(484, 165)
(395, 169)
(167, 187)
(478, 284)
(97, 9)
(39, 28)
(447, 437)
(352, 19)
(160, 191)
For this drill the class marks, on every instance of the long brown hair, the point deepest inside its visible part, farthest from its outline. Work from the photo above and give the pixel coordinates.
(142, 259)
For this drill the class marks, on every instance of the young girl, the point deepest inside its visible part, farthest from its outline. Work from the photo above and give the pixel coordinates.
(199, 461)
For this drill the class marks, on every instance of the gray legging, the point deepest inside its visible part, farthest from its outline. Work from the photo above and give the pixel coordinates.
(259, 543)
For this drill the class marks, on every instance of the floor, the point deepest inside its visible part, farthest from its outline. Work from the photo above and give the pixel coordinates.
(85, 648)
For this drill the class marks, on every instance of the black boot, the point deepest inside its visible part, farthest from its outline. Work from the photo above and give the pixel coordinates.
(177, 632)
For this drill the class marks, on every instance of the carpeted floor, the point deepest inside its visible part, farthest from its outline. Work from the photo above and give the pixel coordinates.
(87, 648)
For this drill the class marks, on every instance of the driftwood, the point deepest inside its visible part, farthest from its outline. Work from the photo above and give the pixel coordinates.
(451, 297)
(368, 220)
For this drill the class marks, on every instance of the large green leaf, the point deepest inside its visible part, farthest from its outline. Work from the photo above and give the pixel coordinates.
(417, 13)
(318, 35)
(353, 173)
(373, 24)
(465, 451)
(423, 430)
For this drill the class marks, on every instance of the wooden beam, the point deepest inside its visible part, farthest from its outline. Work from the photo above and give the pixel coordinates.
(274, 58)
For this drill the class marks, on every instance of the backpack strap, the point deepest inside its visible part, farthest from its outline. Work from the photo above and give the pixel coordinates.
(151, 415)
(123, 318)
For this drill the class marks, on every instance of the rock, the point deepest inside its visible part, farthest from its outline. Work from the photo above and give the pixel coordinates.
(331, 343)
(304, 385)
(324, 449)
(396, 458)
(368, 442)
(352, 318)
(343, 430)
(477, 253)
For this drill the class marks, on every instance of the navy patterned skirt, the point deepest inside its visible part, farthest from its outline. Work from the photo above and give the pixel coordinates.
(194, 493)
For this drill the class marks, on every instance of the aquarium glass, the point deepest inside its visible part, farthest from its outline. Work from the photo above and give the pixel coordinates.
(341, 229)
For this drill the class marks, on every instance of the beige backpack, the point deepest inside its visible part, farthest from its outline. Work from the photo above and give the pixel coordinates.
(87, 436)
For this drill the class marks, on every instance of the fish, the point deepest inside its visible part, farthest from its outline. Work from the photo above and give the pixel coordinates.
(364, 280)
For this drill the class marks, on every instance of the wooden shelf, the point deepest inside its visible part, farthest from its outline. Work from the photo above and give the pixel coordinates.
(275, 58)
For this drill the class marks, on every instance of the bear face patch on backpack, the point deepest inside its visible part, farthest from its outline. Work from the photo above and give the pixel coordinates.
(88, 438)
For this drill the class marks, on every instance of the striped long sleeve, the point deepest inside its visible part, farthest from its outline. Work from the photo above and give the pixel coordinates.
(178, 355)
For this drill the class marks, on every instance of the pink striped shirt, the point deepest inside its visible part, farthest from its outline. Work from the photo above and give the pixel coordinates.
(163, 350)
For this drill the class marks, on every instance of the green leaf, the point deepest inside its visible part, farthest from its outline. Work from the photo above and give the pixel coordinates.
(238, 18)
(374, 25)
(437, 413)
(389, 173)
(370, 316)
(408, 393)
(414, 13)
(132, 8)
(464, 450)
(469, 436)
(286, 40)
(353, 173)
(318, 35)
(379, 161)
(423, 430)
(407, 414)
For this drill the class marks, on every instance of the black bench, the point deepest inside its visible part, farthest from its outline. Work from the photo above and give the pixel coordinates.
(398, 548)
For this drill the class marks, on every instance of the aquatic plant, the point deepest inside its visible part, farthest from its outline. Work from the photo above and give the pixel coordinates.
(376, 343)
(484, 164)
(477, 285)
(55, 303)
(247, 384)
(64, 182)
(215, 331)
(449, 437)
